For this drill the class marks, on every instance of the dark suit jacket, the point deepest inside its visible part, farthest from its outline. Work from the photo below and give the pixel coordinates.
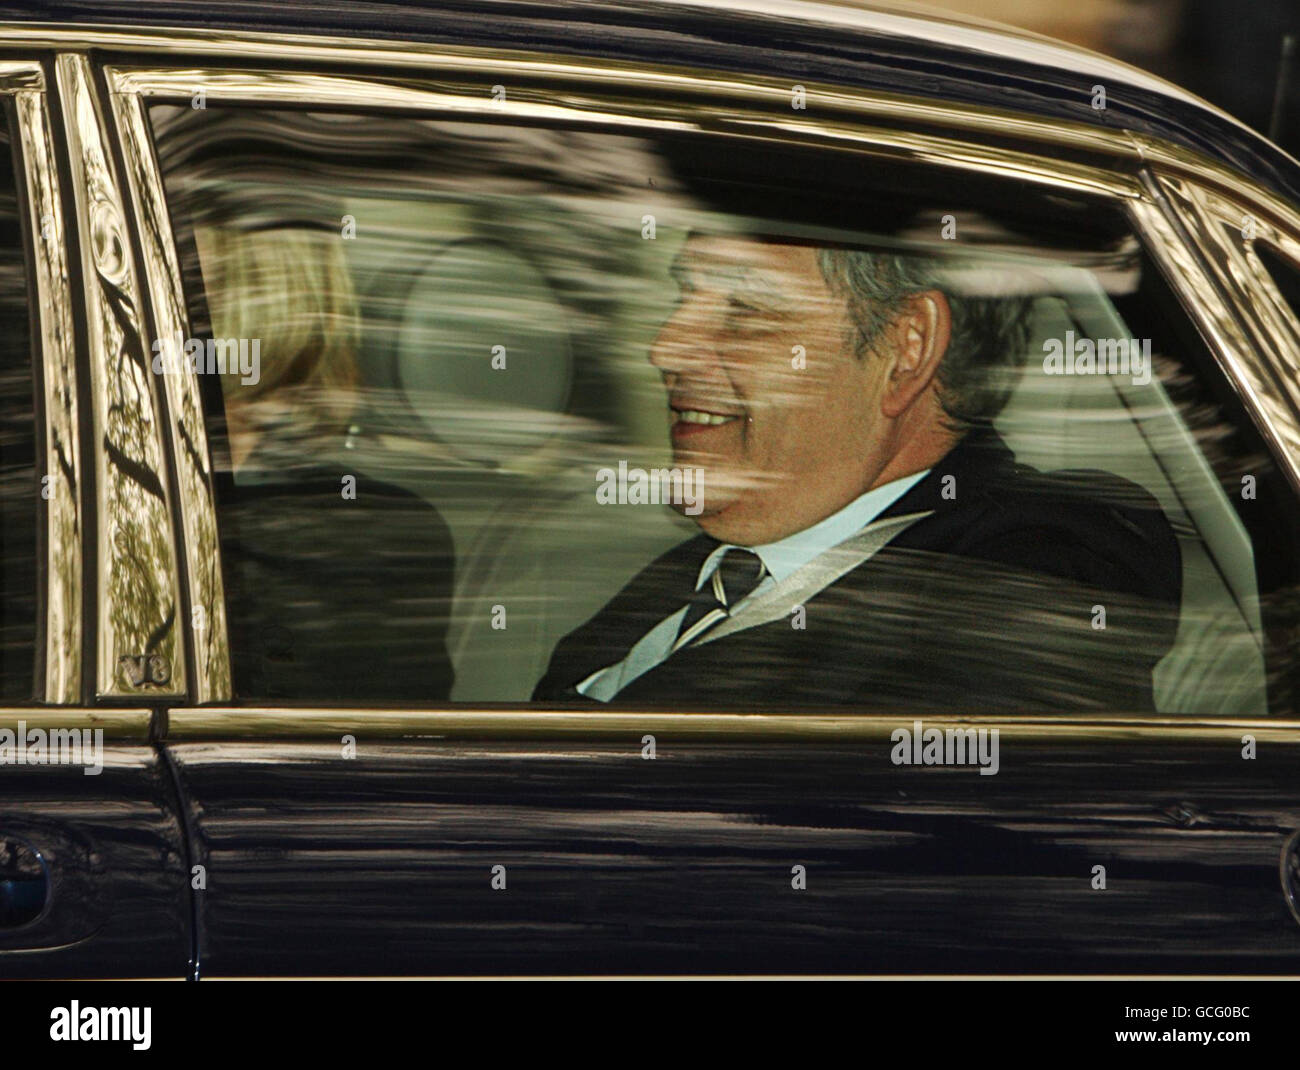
(988, 605)
(329, 598)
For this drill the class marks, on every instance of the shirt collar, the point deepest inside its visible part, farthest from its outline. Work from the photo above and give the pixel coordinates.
(786, 556)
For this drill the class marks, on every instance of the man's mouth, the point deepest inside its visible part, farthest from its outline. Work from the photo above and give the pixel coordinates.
(687, 421)
(699, 416)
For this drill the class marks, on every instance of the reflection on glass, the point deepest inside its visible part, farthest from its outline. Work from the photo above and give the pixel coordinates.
(19, 486)
(62, 480)
(627, 418)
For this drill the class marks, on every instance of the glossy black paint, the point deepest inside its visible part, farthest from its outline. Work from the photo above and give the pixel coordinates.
(799, 48)
(112, 844)
(615, 863)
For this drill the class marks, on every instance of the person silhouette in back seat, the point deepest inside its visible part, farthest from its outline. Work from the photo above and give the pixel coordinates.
(338, 585)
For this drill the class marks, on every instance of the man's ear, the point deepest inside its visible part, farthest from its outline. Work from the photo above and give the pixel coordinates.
(918, 338)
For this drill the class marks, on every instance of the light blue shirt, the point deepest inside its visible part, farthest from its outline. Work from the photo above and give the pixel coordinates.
(781, 559)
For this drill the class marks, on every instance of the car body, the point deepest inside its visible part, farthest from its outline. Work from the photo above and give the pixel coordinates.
(233, 838)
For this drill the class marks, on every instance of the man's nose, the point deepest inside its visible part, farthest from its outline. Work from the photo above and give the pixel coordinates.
(683, 343)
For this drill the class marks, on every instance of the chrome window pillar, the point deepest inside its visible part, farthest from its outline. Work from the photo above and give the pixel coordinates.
(189, 443)
(1252, 360)
(1233, 230)
(1261, 340)
(139, 642)
(50, 290)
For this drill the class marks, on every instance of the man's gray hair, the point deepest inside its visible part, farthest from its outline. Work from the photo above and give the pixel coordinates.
(990, 335)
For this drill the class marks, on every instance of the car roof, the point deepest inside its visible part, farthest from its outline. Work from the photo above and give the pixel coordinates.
(883, 46)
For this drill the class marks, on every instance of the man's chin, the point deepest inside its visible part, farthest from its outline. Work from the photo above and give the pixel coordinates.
(697, 510)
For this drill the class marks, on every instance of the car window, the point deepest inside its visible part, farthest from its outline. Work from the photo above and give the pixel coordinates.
(19, 486)
(509, 414)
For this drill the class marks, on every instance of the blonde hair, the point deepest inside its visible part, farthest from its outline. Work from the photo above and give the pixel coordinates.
(288, 288)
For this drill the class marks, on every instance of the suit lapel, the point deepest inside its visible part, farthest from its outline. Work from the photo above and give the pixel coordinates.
(808, 582)
(661, 588)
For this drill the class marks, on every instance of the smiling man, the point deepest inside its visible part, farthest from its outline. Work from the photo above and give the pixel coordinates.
(866, 536)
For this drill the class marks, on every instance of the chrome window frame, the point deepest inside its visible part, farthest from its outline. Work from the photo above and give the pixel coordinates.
(455, 83)
(49, 287)
(131, 87)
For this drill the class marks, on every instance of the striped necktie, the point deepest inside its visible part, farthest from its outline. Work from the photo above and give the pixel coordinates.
(736, 576)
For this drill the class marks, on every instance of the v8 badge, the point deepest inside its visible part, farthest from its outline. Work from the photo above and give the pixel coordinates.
(141, 670)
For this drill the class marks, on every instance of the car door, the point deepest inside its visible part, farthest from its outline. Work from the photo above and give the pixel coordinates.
(93, 880)
(368, 787)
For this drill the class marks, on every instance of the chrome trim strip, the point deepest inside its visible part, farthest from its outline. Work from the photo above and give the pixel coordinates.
(986, 38)
(118, 725)
(53, 299)
(1279, 979)
(936, 26)
(189, 441)
(267, 722)
(756, 110)
(136, 563)
(475, 64)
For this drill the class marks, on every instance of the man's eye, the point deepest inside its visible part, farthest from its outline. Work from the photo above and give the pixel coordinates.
(742, 316)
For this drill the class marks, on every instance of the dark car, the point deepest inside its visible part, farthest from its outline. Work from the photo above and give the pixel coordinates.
(327, 417)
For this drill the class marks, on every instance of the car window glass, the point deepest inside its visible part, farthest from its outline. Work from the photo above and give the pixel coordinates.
(491, 405)
(19, 487)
